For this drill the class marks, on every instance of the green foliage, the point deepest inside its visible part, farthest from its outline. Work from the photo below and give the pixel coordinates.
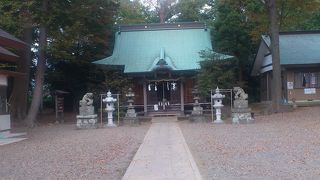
(231, 30)
(134, 12)
(78, 33)
(79, 78)
(215, 72)
(14, 15)
(312, 23)
(293, 14)
(188, 11)
(81, 30)
(232, 35)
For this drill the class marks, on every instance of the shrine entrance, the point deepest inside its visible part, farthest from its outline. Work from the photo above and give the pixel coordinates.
(163, 95)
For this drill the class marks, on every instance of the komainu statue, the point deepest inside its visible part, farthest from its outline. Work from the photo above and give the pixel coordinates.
(87, 118)
(87, 100)
(239, 93)
(241, 113)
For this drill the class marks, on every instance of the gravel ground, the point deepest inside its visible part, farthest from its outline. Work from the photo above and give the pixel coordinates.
(61, 152)
(279, 146)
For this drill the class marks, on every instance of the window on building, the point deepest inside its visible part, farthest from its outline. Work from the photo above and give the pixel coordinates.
(307, 79)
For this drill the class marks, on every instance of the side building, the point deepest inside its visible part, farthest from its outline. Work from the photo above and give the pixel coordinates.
(162, 60)
(8, 60)
(300, 66)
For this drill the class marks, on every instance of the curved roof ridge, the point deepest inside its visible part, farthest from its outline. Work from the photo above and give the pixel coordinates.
(162, 26)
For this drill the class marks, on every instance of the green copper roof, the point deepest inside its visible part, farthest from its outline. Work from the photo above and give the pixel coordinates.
(144, 50)
(298, 47)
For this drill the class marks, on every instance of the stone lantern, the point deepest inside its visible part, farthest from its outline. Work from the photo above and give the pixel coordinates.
(131, 113)
(197, 109)
(109, 100)
(217, 98)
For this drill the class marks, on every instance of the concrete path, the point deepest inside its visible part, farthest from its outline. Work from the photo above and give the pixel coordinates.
(163, 154)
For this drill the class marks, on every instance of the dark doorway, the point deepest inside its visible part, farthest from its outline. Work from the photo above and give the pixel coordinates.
(163, 93)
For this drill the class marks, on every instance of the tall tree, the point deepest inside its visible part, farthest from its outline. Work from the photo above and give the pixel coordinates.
(41, 66)
(276, 70)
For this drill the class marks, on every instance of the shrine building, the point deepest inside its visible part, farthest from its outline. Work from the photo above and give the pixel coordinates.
(300, 67)
(7, 58)
(162, 60)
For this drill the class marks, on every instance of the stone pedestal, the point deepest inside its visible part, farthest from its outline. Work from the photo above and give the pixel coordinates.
(87, 121)
(218, 116)
(240, 104)
(131, 116)
(86, 110)
(197, 118)
(197, 110)
(131, 120)
(197, 114)
(241, 113)
(110, 120)
(131, 113)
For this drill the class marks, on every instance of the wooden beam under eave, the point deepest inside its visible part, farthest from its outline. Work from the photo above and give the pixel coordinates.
(8, 40)
(12, 73)
(7, 56)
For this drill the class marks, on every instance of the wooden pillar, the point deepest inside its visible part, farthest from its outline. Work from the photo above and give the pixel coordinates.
(268, 86)
(284, 80)
(182, 96)
(145, 108)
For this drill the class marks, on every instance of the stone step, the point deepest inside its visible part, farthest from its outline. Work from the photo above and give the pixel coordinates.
(164, 113)
(6, 137)
(10, 140)
(11, 135)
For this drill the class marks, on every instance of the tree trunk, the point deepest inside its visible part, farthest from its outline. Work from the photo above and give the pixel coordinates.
(240, 69)
(19, 101)
(276, 71)
(39, 79)
(162, 11)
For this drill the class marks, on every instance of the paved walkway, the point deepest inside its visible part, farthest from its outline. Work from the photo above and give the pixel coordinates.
(163, 154)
